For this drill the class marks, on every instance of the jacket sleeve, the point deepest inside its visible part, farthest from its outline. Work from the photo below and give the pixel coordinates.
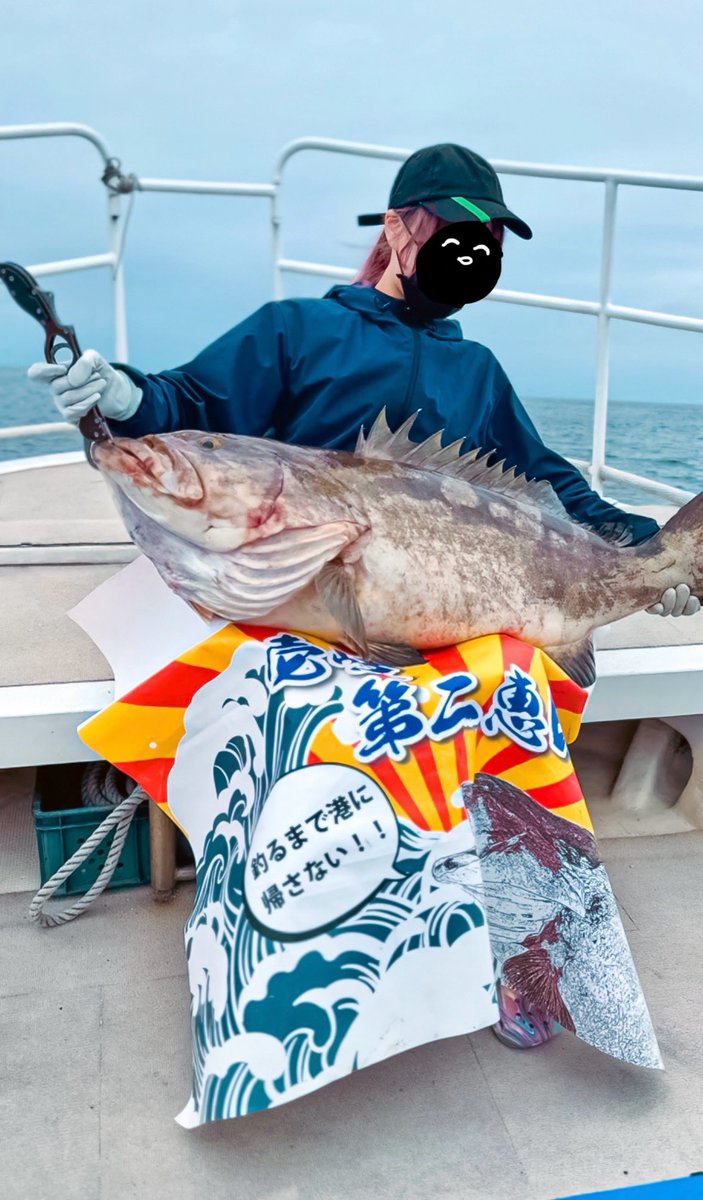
(233, 386)
(511, 433)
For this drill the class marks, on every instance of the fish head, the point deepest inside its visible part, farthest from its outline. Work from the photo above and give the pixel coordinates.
(214, 490)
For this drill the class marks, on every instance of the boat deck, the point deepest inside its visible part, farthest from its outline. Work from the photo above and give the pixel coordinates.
(95, 1015)
(60, 536)
(97, 1062)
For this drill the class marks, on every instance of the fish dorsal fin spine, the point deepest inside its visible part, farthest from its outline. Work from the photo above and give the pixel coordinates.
(472, 467)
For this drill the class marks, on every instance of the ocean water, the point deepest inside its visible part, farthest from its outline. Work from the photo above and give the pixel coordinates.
(663, 442)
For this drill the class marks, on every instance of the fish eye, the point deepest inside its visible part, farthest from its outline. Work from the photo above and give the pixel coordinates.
(210, 443)
(449, 241)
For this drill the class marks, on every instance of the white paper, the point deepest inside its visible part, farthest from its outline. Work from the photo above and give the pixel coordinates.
(139, 624)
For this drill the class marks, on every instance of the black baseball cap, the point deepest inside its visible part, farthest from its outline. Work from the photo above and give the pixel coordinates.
(452, 182)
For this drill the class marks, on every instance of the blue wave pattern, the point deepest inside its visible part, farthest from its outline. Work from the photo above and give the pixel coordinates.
(274, 1019)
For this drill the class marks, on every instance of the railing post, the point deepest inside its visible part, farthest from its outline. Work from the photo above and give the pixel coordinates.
(600, 414)
(276, 240)
(118, 292)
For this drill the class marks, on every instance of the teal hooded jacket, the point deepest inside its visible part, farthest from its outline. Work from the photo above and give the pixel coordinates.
(313, 371)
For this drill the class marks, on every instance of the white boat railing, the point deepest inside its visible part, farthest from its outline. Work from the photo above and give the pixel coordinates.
(603, 309)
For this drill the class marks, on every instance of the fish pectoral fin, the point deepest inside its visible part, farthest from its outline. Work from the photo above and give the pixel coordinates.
(577, 659)
(396, 654)
(336, 589)
(265, 574)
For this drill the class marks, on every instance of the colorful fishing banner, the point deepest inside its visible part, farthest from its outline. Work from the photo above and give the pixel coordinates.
(340, 915)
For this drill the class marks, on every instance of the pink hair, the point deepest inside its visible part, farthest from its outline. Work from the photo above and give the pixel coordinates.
(422, 224)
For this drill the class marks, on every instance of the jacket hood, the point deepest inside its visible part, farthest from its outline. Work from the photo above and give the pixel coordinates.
(379, 307)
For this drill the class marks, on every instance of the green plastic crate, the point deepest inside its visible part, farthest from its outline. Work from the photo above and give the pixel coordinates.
(61, 832)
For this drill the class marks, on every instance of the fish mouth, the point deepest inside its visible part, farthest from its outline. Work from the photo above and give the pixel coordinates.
(150, 463)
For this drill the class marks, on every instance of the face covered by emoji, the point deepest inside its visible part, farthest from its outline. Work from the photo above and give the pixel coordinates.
(459, 264)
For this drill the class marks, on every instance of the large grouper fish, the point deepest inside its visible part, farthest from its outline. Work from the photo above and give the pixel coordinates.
(398, 548)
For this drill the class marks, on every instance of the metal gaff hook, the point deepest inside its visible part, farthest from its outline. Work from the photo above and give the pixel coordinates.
(58, 339)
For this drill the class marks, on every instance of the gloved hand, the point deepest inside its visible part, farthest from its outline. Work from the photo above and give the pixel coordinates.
(676, 602)
(91, 380)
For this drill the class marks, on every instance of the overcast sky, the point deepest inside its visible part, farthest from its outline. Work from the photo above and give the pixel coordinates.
(215, 90)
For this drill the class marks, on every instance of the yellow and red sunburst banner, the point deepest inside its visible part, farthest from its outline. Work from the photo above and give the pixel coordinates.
(494, 704)
(354, 898)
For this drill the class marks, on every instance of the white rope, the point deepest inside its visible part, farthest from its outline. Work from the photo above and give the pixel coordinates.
(120, 819)
(101, 785)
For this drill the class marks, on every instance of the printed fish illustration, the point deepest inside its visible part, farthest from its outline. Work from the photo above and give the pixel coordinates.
(398, 548)
(553, 922)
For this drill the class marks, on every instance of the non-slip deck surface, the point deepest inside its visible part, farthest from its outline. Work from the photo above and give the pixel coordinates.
(94, 1025)
(48, 511)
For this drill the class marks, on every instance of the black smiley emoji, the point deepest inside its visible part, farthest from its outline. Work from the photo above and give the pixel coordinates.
(459, 264)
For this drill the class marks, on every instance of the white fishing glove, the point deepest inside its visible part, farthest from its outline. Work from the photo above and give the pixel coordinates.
(91, 380)
(676, 602)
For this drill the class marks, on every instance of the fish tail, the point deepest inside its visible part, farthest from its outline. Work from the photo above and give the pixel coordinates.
(682, 536)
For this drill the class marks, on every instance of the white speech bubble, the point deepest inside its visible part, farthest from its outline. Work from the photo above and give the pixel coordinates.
(325, 841)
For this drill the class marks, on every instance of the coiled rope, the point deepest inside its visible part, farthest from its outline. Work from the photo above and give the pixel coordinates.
(100, 785)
